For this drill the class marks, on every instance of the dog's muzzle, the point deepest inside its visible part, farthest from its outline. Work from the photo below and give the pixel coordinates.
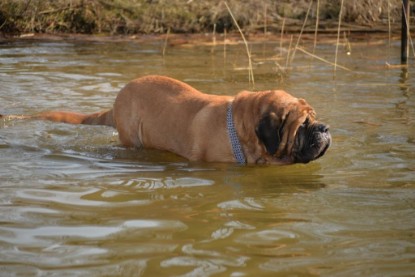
(311, 142)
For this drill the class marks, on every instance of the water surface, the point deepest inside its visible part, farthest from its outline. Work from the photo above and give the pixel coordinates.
(73, 202)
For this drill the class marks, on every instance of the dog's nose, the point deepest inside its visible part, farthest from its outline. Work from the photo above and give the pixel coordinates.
(323, 128)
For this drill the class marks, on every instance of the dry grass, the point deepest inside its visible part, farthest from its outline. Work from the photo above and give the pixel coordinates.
(157, 16)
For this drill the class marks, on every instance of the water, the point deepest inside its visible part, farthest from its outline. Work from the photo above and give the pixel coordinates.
(73, 202)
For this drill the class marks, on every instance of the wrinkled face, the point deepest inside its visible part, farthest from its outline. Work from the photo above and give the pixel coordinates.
(311, 142)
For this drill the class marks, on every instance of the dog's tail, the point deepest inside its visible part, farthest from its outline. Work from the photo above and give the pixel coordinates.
(99, 118)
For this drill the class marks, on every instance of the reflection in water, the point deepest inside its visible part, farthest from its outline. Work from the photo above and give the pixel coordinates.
(73, 202)
(168, 183)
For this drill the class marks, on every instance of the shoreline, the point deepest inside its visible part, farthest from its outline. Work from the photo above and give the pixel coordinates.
(349, 32)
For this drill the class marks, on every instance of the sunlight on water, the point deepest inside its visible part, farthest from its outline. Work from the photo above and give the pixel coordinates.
(73, 202)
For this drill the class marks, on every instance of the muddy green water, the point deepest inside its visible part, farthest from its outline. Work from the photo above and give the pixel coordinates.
(73, 202)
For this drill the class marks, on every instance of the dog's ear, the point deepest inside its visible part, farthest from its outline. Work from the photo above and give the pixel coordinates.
(268, 132)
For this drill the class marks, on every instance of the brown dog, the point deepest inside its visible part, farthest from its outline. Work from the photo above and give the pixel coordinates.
(252, 127)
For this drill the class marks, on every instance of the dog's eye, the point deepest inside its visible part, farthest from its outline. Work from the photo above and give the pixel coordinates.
(305, 123)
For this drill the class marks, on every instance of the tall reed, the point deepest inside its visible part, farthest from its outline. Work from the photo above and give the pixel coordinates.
(338, 37)
(250, 69)
(317, 23)
(301, 32)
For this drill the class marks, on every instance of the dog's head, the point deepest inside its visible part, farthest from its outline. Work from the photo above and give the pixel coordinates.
(285, 128)
(311, 142)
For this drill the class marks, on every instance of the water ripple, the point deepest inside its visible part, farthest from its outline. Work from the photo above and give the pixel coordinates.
(85, 197)
(246, 204)
(21, 244)
(168, 183)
